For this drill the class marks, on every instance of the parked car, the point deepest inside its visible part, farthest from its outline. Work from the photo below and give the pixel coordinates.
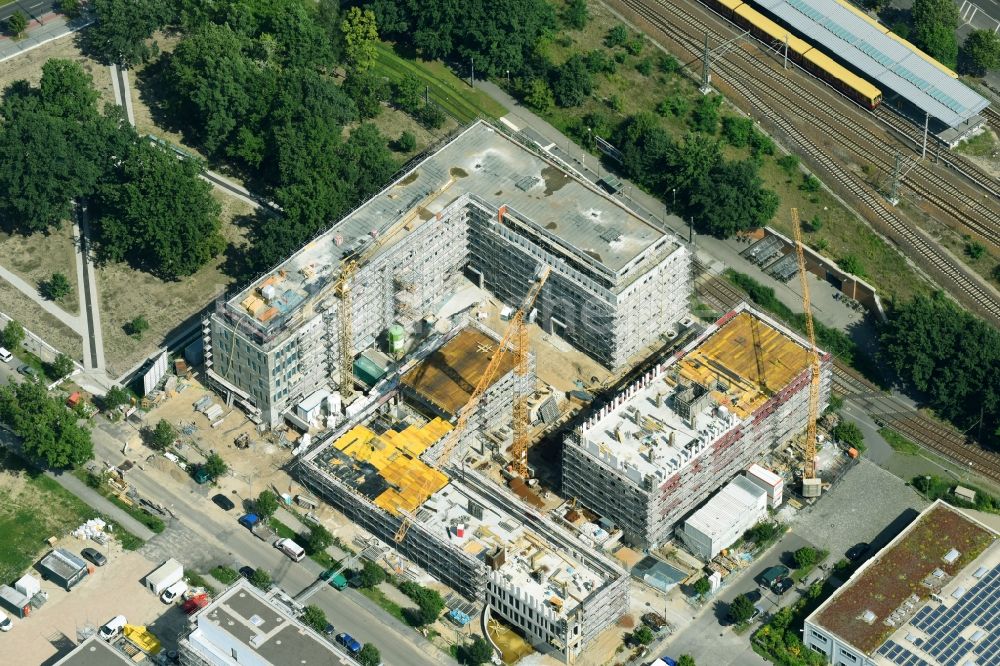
(28, 371)
(5, 623)
(857, 551)
(782, 586)
(247, 572)
(753, 596)
(170, 594)
(223, 502)
(94, 556)
(349, 643)
(771, 575)
(328, 629)
(112, 627)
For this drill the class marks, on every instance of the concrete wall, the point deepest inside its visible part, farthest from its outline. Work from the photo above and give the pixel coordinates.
(837, 652)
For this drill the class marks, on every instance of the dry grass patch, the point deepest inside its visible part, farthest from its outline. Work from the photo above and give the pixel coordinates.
(392, 123)
(28, 66)
(127, 293)
(18, 306)
(38, 256)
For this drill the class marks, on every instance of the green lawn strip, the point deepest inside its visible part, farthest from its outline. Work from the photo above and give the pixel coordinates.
(225, 575)
(384, 602)
(445, 88)
(285, 532)
(195, 579)
(899, 443)
(282, 530)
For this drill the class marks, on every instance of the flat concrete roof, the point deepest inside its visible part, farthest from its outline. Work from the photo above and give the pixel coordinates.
(941, 545)
(737, 497)
(93, 652)
(258, 625)
(448, 377)
(896, 66)
(481, 162)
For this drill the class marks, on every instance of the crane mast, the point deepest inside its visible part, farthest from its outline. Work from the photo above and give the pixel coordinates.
(811, 484)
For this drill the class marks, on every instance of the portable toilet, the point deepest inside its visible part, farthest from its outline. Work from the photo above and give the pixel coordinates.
(397, 339)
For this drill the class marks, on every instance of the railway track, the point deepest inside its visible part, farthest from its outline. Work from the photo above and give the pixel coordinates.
(653, 14)
(884, 408)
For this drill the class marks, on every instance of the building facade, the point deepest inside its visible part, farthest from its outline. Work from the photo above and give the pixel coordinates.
(691, 424)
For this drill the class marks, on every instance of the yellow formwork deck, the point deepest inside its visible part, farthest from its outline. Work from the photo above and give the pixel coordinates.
(396, 456)
(729, 356)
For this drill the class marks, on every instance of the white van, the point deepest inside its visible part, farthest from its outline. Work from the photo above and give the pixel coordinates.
(113, 627)
(5, 355)
(290, 548)
(171, 593)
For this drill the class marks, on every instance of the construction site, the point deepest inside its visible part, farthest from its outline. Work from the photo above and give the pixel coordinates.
(483, 210)
(414, 480)
(663, 445)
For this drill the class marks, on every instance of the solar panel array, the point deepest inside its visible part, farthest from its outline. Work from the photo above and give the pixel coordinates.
(944, 646)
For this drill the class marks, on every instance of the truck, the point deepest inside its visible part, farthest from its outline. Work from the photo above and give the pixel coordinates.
(166, 574)
(258, 527)
(337, 580)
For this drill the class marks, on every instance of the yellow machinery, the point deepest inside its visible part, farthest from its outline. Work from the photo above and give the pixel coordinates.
(811, 484)
(516, 332)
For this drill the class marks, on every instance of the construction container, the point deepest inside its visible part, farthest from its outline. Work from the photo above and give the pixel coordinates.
(165, 575)
(28, 585)
(853, 452)
(397, 339)
(63, 568)
(15, 602)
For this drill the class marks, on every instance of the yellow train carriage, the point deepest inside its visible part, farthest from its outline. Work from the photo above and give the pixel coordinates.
(764, 28)
(843, 79)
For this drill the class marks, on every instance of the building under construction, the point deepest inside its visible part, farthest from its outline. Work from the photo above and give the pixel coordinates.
(471, 534)
(692, 423)
(484, 207)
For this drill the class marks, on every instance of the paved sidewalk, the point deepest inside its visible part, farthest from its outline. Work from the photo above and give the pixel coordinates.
(52, 27)
(94, 499)
(74, 322)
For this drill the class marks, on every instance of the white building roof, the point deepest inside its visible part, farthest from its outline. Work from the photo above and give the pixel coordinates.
(726, 508)
(765, 475)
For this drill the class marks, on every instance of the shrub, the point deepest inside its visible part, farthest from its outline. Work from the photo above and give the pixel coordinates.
(224, 574)
(975, 250)
(789, 164)
(644, 66)
(809, 183)
(617, 36)
(315, 617)
(805, 557)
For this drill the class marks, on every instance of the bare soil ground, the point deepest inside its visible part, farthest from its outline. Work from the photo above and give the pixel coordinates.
(16, 305)
(28, 66)
(127, 293)
(37, 257)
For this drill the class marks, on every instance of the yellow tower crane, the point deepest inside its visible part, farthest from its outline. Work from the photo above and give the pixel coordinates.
(515, 332)
(811, 484)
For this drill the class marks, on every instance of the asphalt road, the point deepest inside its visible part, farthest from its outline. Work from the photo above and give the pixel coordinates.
(30, 8)
(208, 536)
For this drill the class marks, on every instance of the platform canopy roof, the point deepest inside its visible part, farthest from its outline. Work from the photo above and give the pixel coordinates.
(888, 62)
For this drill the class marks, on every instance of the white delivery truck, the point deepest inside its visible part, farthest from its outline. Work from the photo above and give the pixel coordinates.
(166, 575)
(290, 548)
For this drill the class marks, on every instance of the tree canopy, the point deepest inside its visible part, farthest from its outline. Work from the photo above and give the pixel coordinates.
(123, 28)
(980, 53)
(267, 503)
(741, 609)
(934, 24)
(369, 655)
(12, 335)
(951, 357)
(48, 430)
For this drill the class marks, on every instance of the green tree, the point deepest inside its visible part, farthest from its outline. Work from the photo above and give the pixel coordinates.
(934, 25)
(805, 556)
(12, 335)
(319, 539)
(55, 287)
(267, 503)
(429, 603)
(408, 94)
(137, 327)
(215, 465)
(737, 131)
(686, 660)
(123, 29)
(371, 575)
(732, 199)
(810, 183)
(705, 115)
(49, 432)
(851, 264)
(701, 586)
(158, 214)
(17, 23)
(369, 655)
(643, 635)
(741, 609)
(368, 91)
(575, 14)
(60, 367)
(70, 8)
(261, 579)
(163, 435)
(538, 95)
(475, 653)
(406, 142)
(315, 617)
(360, 38)
(116, 397)
(980, 53)
(617, 36)
(850, 434)
(571, 83)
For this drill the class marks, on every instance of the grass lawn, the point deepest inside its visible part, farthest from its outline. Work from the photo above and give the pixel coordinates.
(387, 604)
(28, 65)
(35, 258)
(627, 91)
(16, 305)
(451, 93)
(33, 507)
(981, 145)
(393, 122)
(899, 443)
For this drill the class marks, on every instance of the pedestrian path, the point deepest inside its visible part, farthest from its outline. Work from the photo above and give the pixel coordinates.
(52, 26)
(73, 321)
(102, 504)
